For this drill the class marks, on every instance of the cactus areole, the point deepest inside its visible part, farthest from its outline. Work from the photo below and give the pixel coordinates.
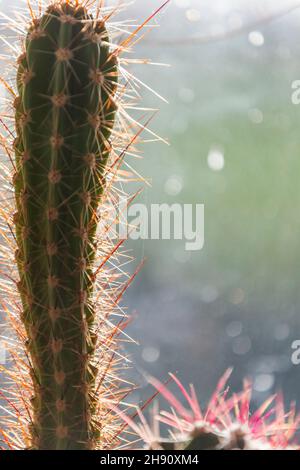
(65, 111)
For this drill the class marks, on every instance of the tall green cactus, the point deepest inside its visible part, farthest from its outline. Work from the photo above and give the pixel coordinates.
(65, 113)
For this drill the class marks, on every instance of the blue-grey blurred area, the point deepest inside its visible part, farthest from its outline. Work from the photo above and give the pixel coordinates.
(234, 137)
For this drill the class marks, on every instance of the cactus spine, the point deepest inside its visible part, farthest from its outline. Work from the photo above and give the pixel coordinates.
(65, 111)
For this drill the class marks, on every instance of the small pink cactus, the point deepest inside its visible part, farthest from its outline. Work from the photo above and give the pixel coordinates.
(225, 424)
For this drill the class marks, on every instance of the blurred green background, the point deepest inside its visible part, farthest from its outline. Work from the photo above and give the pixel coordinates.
(234, 146)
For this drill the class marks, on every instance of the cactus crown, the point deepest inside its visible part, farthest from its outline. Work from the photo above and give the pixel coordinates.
(225, 424)
(68, 140)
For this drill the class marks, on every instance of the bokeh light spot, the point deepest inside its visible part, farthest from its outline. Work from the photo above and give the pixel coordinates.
(150, 354)
(193, 15)
(263, 382)
(256, 38)
(215, 159)
(173, 185)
